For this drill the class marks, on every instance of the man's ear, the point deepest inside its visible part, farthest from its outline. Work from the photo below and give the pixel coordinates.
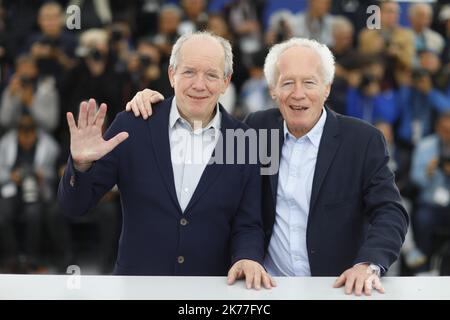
(272, 92)
(171, 73)
(226, 83)
(327, 91)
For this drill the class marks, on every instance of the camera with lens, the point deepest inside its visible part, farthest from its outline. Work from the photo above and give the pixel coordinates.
(47, 41)
(27, 81)
(366, 80)
(282, 31)
(30, 186)
(418, 74)
(116, 35)
(94, 54)
(145, 61)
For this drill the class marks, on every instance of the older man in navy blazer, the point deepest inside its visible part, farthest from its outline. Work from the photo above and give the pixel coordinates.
(180, 216)
(332, 208)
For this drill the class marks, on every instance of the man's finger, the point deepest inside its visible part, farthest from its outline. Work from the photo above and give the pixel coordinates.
(134, 107)
(138, 100)
(232, 275)
(92, 105)
(82, 115)
(143, 106)
(266, 280)
(359, 285)
(115, 141)
(368, 286)
(339, 281)
(100, 116)
(71, 123)
(248, 279)
(378, 286)
(128, 106)
(155, 98)
(257, 279)
(349, 283)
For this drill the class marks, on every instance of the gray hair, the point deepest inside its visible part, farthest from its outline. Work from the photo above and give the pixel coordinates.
(341, 23)
(326, 58)
(226, 46)
(414, 7)
(171, 8)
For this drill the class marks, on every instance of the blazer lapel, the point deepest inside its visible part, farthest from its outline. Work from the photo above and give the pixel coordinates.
(327, 150)
(213, 170)
(274, 178)
(158, 125)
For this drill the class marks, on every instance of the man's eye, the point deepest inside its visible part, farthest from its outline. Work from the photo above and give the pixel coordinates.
(212, 76)
(285, 84)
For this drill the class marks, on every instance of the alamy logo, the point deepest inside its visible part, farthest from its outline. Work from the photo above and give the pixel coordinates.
(374, 20)
(73, 19)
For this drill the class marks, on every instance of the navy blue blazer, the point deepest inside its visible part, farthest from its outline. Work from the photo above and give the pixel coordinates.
(220, 225)
(355, 213)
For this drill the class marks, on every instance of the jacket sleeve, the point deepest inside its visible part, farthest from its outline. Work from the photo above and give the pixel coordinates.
(78, 192)
(383, 207)
(247, 239)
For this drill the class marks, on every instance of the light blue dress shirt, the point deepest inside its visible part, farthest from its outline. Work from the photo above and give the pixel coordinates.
(287, 254)
(190, 151)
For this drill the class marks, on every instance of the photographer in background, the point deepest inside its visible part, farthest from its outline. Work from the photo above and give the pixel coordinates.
(431, 173)
(53, 48)
(28, 90)
(365, 98)
(144, 70)
(280, 27)
(96, 76)
(27, 173)
(419, 102)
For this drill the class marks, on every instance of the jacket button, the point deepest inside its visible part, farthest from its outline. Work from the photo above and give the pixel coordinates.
(72, 181)
(180, 259)
(313, 251)
(183, 222)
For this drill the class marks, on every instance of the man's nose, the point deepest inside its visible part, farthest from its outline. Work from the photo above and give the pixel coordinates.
(199, 82)
(299, 92)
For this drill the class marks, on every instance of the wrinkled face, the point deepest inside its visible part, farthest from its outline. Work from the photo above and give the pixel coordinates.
(421, 19)
(300, 91)
(389, 14)
(198, 79)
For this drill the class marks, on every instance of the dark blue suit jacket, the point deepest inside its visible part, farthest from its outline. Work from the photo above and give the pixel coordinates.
(355, 213)
(220, 225)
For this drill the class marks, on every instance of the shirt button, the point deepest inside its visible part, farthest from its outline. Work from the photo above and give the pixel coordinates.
(186, 190)
(180, 259)
(183, 222)
(72, 181)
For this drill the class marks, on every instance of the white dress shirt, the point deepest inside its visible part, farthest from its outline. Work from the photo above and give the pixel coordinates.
(190, 151)
(287, 254)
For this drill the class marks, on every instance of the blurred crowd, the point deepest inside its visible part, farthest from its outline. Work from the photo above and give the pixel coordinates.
(396, 76)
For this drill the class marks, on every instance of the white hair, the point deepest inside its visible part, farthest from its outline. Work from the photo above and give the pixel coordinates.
(324, 53)
(226, 46)
(414, 7)
(341, 24)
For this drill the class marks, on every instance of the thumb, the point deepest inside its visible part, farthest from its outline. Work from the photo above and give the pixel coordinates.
(115, 141)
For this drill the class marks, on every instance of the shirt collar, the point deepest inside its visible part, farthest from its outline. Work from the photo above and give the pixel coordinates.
(314, 135)
(175, 117)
